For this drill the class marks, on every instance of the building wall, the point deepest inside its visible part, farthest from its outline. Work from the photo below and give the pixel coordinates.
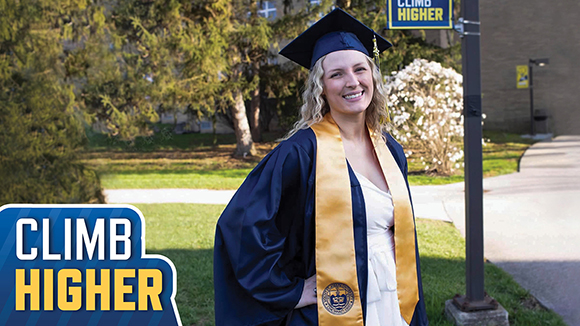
(513, 32)
(190, 124)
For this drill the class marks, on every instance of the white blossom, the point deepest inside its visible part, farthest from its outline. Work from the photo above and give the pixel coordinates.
(427, 102)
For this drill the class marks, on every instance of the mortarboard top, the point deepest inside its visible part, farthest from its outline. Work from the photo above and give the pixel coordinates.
(334, 32)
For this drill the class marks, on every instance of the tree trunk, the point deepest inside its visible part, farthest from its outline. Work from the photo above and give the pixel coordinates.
(214, 128)
(255, 104)
(244, 143)
(255, 115)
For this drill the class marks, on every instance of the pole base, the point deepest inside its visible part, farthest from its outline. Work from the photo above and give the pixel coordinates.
(495, 317)
(463, 304)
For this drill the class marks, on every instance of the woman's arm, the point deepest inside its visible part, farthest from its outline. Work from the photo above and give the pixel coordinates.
(254, 274)
(308, 296)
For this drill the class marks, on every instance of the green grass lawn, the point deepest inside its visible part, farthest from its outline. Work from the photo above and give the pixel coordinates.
(195, 179)
(184, 233)
(192, 161)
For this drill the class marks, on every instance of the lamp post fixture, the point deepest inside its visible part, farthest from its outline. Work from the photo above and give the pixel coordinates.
(531, 64)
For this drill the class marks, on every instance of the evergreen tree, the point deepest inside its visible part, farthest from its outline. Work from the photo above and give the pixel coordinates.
(203, 55)
(41, 133)
(178, 49)
(109, 73)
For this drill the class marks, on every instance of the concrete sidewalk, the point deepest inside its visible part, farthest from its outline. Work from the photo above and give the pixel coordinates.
(428, 200)
(531, 219)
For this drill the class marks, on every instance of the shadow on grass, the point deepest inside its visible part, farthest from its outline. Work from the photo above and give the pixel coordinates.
(234, 173)
(165, 139)
(442, 279)
(194, 296)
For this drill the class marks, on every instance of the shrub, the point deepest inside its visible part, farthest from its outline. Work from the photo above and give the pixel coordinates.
(426, 101)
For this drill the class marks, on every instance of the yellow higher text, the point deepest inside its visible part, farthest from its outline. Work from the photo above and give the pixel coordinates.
(70, 289)
(420, 14)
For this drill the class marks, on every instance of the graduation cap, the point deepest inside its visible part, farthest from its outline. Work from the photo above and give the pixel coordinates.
(334, 32)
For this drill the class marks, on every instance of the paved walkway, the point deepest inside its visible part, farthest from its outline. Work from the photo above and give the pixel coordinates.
(531, 219)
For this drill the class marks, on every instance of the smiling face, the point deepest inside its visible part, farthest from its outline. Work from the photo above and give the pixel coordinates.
(348, 82)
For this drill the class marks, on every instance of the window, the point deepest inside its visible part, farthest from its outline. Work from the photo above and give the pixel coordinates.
(267, 10)
(205, 125)
(312, 4)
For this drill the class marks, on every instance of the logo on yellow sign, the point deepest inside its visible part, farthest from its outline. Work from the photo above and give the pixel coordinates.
(523, 76)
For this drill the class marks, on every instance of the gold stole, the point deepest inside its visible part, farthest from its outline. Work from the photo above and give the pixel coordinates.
(338, 294)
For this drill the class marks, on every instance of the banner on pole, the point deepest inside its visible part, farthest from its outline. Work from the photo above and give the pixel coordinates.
(523, 76)
(420, 14)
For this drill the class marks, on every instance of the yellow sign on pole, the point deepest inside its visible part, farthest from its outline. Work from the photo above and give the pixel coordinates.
(523, 76)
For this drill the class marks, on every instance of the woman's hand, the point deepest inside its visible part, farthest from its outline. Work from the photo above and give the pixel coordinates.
(308, 293)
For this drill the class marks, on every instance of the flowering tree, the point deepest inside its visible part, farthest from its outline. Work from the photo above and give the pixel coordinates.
(426, 101)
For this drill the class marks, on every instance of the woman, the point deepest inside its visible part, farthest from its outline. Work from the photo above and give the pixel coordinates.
(308, 238)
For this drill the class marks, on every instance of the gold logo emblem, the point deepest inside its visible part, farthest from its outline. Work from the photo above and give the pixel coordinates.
(338, 298)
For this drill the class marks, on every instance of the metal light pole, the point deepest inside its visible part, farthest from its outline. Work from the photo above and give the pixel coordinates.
(531, 64)
(475, 298)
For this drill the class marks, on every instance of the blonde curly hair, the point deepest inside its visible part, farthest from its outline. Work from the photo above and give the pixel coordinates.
(315, 106)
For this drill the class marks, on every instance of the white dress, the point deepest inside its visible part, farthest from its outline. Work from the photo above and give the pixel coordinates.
(382, 302)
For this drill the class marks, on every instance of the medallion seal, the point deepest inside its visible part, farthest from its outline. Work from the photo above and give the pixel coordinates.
(337, 298)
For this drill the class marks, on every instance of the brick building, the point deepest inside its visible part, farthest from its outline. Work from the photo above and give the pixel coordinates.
(514, 31)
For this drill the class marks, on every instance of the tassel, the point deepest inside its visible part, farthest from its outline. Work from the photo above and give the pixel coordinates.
(376, 51)
(376, 54)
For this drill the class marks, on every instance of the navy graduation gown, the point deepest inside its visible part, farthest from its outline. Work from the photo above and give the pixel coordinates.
(265, 241)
